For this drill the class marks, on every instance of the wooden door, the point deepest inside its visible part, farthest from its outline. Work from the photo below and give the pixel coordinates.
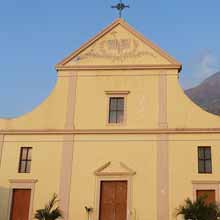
(208, 194)
(20, 204)
(113, 200)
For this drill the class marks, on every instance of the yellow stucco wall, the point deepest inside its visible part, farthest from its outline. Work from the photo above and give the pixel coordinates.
(50, 114)
(45, 167)
(138, 150)
(184, 165)
(183, 113)
(92, 102)
(139, 155)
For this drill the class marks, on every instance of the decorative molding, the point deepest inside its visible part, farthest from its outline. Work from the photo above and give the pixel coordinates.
(67, 150)
(107, 30)
(21, 181)
(162, 177)
(127, 171)
(66, 175)
(102, 167)
(1, 147)
(205, 182)
(71, 102)
(115, 174)
(118, 67)
(110, 131)
(162, 101)
(163, 208)
(119, 92)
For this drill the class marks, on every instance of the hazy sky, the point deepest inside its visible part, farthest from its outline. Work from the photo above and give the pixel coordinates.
(35, 35)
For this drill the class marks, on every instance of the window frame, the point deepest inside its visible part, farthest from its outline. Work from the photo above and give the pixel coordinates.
(117, 111)
(116, 94)
(26, 160)
(204, 160)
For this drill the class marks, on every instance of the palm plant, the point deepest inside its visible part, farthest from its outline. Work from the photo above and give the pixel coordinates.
(51, 210)
(199, 210)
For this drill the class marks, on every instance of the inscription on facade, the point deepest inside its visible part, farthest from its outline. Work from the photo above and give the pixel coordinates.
(116, 49)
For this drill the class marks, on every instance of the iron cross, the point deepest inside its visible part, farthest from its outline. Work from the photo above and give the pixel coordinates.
(120, 7)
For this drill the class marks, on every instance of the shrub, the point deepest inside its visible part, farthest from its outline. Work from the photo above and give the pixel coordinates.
(51, 210)
(199, 210)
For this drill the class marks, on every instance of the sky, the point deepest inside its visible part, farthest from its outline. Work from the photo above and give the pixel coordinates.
(35, 35)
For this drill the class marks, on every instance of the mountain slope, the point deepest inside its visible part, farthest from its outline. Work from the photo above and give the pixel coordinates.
(207, 94)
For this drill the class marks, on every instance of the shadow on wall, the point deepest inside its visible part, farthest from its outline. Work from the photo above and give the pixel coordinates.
(4, 195)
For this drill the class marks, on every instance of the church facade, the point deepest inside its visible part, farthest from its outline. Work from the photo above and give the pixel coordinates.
(117, 135)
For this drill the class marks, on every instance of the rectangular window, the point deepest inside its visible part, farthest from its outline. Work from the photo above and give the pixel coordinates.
(204, 160)
(25, 160)
(116, 110)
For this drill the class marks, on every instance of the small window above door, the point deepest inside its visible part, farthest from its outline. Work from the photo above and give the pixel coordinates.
(117, 104)
(204, 160)
(25, 160)
(116, 110)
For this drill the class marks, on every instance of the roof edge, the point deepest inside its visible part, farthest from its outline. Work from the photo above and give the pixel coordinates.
(89, 42)
(119, 67)
(129, 28)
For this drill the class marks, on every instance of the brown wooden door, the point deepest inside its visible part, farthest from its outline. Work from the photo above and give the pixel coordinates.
(208, 194)
(20, 204)
(113, 200)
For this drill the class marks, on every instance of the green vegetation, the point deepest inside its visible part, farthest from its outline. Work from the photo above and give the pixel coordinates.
(51, 210)
(199, 210)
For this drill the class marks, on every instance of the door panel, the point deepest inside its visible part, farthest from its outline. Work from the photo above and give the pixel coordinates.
(20, 204)
(209, 195)
(113, 200)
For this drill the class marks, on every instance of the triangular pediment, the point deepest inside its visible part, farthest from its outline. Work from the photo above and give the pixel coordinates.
(118, 44)
(114, 168)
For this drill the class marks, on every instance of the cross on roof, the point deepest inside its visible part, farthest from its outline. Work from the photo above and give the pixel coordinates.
(120, 7)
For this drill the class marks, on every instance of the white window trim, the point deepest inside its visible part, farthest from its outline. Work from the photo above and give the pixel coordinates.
(116, 94)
